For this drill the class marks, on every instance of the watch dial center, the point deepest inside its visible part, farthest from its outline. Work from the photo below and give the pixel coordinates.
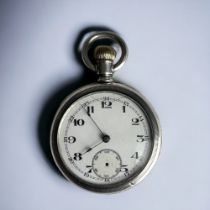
(106, 138)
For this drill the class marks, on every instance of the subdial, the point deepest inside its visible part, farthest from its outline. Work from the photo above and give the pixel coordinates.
(106, 163)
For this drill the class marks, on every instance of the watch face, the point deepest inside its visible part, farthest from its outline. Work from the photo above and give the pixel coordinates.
(104, 138)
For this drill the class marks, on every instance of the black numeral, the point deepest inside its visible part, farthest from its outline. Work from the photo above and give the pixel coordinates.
(106, 104)
(77, 156)
(79, 122)
(90, 110)
(123, 109)
(124, 170)
(126, 103)
(141, 138)
(135, 121)
(70, 139)
(135, 155)
(90, 169)
(86, 174)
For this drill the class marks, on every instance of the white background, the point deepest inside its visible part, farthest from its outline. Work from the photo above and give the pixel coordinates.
(169, 62)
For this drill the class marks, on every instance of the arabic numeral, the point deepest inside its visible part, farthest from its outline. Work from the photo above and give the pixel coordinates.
(90, 110)
(106, 104)
(124, 170)
(78, 122)
(135, 121)
(90, 169)
(123, 109)
(86, 174)
(70, 139)
(135, 155)
(141, 138)
(141, 118)
(77, 156)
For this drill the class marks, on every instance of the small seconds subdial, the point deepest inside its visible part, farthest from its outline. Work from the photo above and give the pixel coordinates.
(107, 163)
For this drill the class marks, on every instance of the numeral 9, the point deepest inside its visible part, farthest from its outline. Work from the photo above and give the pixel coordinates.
(70, 139)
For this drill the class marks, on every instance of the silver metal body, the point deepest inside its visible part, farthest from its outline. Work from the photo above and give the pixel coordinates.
(154, 125)
(108, 85)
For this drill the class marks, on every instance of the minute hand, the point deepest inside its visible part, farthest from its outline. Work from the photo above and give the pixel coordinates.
(90, 148)
(102, 133)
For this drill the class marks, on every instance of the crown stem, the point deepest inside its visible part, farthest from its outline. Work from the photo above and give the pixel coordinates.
(104, 59)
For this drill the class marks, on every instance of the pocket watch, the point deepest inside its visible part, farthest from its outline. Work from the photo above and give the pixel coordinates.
(105, 136)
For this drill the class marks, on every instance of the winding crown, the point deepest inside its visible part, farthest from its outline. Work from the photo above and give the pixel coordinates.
(104, 52)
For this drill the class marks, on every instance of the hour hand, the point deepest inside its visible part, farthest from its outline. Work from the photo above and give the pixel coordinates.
(90, 148)
(105, 139)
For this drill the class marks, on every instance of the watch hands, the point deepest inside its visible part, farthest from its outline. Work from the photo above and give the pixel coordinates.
(90, 148)
(105, 139)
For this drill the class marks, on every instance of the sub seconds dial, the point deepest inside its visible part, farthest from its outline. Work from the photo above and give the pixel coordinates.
(104, 137)
(106, 164)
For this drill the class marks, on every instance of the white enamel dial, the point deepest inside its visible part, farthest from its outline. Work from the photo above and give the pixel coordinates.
(104, 138)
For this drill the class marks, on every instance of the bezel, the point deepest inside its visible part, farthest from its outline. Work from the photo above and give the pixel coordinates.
(152, 120)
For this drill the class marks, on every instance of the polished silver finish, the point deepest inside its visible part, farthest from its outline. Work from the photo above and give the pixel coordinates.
(105, 71)
(104, 56)
(154, 125)
(100, 36)
(105, 68)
